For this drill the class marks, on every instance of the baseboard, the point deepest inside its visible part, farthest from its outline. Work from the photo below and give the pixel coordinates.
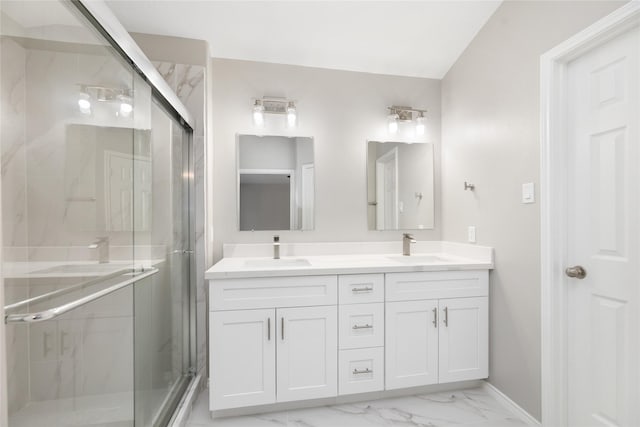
(510, 404)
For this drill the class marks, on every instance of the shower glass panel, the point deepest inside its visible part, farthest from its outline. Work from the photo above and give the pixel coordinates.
(96, 183)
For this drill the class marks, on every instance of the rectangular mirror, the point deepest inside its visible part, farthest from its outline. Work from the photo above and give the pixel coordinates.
(400, 186)
(276, 184)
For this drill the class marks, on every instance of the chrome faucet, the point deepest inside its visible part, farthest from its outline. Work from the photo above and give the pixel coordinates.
(276, 247)
(407, 240)
(102, 245)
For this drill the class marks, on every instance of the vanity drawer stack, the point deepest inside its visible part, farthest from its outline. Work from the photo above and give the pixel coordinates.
(360, 333)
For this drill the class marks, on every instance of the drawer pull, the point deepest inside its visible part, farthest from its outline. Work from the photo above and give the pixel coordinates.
(269, 329)
(281, 328)
(435, 317)
(446, 316)
(362, 371)
(367, 326)
(365, 289)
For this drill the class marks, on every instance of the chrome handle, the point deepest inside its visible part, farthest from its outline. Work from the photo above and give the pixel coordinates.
(435, 317)
(365, 289)
(282, 328)
(269, 329)
(364, 371)
(577, 272)
(182, 252)
(367, 326)
(446, 316)
(136, 275)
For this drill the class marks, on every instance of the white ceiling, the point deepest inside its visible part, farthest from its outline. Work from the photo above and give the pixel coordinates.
(408, 38)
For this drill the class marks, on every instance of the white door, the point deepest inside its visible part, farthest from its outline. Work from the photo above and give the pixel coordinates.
(243, 358)
(307, 353)
(387, 191)
(411, 343)
(308, 185)
(463, 339)
(604, 235)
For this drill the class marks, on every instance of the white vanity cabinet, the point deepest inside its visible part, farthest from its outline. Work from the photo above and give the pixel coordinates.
(433, 339)
(277, 354)
(289, 338)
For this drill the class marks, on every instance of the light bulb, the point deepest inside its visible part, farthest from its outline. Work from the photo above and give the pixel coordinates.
(84, 103)
(392, 123)
(258, 114)
(292, 116)
(126, 106)
(420, 127)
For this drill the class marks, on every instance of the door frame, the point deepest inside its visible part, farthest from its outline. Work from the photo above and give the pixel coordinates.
(389, 156)
(553, 205)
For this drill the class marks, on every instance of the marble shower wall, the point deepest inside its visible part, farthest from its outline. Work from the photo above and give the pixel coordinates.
(14, 228)
(188, 81)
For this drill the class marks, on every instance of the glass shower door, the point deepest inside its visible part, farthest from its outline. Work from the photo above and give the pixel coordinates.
(96, 179)
(161, 302)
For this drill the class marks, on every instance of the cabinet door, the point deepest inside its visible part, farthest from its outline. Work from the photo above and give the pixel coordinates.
(464, 339)
(242, 358)
(411, 349)
(307, 353)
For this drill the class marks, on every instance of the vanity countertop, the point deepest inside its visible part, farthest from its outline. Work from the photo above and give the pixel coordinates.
(439, 256)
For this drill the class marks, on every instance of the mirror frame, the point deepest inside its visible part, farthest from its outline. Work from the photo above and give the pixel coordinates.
(237, 174)
(433, 180)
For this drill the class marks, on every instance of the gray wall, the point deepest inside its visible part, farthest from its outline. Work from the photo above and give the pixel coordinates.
(490, 121)
(341, 110)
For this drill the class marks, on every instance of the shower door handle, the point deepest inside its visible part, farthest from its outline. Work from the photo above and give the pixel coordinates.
(182, 252)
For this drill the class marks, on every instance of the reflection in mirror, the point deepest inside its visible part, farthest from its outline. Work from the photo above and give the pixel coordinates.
(400, 188)
(275, 183)
(100, 172)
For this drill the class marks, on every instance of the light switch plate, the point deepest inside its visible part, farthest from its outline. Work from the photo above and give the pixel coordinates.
(528, 193)
(471, 234)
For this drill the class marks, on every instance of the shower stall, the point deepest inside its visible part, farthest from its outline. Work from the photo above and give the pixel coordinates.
(97, 216)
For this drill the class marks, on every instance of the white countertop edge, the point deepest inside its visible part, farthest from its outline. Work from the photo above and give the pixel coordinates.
(314, 271)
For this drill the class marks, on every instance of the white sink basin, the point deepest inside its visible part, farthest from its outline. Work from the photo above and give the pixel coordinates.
(418, 259)
(274, 263)
(92, 269)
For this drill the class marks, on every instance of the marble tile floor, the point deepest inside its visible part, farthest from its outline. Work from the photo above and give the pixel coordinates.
(469, 408)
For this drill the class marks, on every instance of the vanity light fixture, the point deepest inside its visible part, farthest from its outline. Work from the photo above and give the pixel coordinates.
(392, 122)
(258, 113)
(405, 115)
(292, 115)
(274, 105)
(123, 97)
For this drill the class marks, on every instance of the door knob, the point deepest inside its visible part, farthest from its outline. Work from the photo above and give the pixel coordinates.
(577, 272)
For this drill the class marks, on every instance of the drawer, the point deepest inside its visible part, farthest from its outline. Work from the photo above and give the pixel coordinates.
(361, 288)
(269, 292)
(436, 285)
(361, 370)
(361, 325)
